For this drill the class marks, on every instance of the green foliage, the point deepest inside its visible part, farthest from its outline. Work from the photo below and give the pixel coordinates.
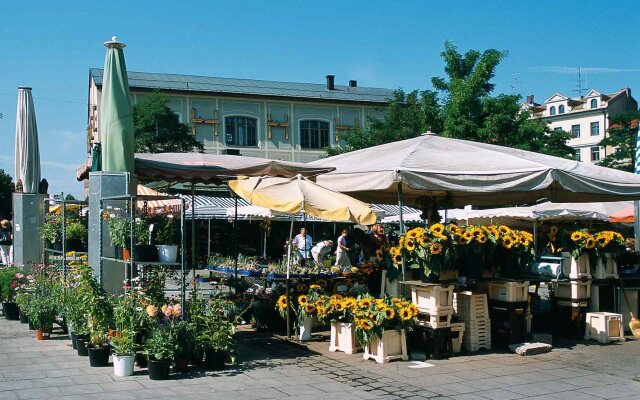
(124, 343)
(461, 107)
(52, 228)
(157, 129)
(167, 230)
(7, 276)
(162, 345)
(6, 188)
(120, 232)
(98, 339)
(622, 134)
(42, 312)
(76, 229)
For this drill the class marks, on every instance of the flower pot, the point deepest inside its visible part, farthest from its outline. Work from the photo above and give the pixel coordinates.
(343, 338)
(197, 357)
(214, 360)
(23, 318)
(126, 254)
(81, 347)
(11, 311)
(73, 340)
(159, 370)
(181, 364)
(99, 357)
(392, 346)
(123, 365)
(167, 253)
(146, 253)
(43, 334)
(305, 329)
(141, 360)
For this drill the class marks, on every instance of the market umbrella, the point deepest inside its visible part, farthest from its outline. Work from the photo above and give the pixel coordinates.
(625, 215)
(116, 118)
(294, 195)
(27, 152)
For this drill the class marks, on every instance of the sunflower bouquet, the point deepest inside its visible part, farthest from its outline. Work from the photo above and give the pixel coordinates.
(609, 242)
(373, 316)
(336, 308)
(582, 242)
(304, 305)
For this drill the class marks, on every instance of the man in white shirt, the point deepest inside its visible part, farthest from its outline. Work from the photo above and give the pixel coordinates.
(321, 250)
(342, 258)
(303, 243)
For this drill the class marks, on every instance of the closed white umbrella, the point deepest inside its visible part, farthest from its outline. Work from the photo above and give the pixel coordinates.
(27, 156)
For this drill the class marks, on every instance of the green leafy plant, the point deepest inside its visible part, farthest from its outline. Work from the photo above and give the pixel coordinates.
(120, 232)
(162, 345)
(8, 283)
(168, 230)
(98, 339)
(43, 313)
(76, 229)
(141, 231)
(124, 343)
(51, 230)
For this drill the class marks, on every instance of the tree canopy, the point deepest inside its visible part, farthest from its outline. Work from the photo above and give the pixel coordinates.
(6, 188)
(157, 129)
(623, 132)
(462, 107)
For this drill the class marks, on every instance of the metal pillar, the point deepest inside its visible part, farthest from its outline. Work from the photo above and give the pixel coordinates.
(235, 237)
(193, 230)
(182, 256)
(400, 216)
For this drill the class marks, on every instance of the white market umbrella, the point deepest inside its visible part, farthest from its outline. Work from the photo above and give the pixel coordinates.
(27, 151)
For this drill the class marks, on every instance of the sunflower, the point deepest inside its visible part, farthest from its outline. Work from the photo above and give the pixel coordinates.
(468, 235)
(602, 240)
(554, 230)
(389, 313)
(462, 240)
(575, 236)
(414, 309)
(423, 243)
(482, 239)
(310, 308)
(590, 243)
(410, 245)
(365, 303)
(303, 299)
(503, 229)
(350, 302)
(412, 234)
(340, 306)
(476, 232)
(435, 248)
(507, 242)
(366, 324)
(397, 259)
(406, 313)
(321, 311)
(301, 287)
(282, 302)
(314, 286)
(437, 229)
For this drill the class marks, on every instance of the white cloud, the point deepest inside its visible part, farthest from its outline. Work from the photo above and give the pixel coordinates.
(557, 69)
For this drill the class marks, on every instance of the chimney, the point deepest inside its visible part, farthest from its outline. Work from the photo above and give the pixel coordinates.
(353, 83)
(530, 99)
(330, 82)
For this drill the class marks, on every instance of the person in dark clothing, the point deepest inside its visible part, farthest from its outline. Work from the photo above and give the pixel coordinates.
(6, 239)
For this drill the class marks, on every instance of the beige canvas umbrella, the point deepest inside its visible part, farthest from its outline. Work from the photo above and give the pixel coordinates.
(294, 195)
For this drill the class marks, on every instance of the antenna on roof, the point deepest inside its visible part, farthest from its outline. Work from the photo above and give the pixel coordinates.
(579, 82)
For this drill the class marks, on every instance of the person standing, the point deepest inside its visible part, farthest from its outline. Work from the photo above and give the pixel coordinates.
(378, 241)
(6, 237)
(303, 243)
(321, 250)
(342, 256)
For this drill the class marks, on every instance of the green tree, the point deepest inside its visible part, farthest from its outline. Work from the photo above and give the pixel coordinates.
(157, 129)
(622, 134)
(461, 107)
(6, 188)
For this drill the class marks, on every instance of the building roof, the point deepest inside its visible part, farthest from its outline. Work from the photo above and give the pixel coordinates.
(249, 87)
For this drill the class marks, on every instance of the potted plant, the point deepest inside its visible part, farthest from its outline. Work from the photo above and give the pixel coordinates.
(10, 279)
(98, 349)
(120, 233)
(183, 332)
(51, 231)
(144, 250)
(43, 315)
(217, 343)
(76, 233)
(160, 349)
(339, 310)
(168, 235)
(123, 348)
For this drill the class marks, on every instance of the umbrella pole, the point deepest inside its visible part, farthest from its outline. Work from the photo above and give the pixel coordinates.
(193, 230)
(535, 236)
(400, 215)
(287, 280)
(208, 239)
(636, 224)
(235, 238)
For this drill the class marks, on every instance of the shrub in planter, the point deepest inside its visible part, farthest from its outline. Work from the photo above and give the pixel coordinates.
(98, 349)
(43, 315)
(123, 348)
(160, 349)
(51, 231)
(10, 279)
(167, 237)
(184, 333)
(120, 233)
(76, 233)
(216, 341)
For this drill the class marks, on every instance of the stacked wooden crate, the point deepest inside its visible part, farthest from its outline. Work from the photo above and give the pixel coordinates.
(435, 304)
(473, 310)
(508, 308)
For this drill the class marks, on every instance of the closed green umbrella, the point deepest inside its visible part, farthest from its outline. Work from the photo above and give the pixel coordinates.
(116, 118)
(27, 152)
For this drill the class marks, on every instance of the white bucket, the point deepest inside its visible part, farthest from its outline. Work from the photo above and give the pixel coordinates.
(123, 365)
(167, 253)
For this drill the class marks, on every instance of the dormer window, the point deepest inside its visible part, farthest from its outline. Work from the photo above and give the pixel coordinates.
(561, 109)
(552, 110)
(594, 103)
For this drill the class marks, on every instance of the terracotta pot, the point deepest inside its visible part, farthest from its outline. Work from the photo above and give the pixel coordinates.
(43, 334)
(126, 254)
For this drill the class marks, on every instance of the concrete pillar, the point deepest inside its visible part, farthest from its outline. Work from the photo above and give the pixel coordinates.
(28, 216)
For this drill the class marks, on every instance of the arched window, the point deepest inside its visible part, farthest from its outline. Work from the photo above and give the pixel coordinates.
(314, 134)
(552, 110)
(241, 131)
(561, 109)
(594, 103)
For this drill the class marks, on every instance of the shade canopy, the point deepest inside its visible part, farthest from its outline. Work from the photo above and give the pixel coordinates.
(27, 151)
(215, 168)
(297, 194)
(626, 215)
(116, 117)
(459, 172)
(154, 202)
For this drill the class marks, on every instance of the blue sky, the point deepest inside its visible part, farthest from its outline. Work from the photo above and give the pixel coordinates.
(51, 46)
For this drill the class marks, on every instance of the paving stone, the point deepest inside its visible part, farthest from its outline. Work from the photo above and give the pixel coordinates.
(498, 394)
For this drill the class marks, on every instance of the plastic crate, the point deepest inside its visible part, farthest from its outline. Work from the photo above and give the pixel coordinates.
(528, 319)
(604, 327)
(508, 321)
(432, 297)
(508, 291)
(392, 346)
(568, 321)
(606, 267)
(477, 335)
(576, 269)
(436, 343)
(436, 319)
(572, 290)
(457, 333)
(469, 305)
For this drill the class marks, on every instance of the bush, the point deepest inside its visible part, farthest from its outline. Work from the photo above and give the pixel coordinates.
(7, 277)
(76, 229)
(52, 228)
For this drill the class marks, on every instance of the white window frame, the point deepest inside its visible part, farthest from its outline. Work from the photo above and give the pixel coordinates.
(224, 137)
(591, 128)
(331, 132)
(591, 151)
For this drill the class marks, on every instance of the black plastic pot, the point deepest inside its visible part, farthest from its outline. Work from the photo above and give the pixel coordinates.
(98, 357)
(76, 245)
(146, 253)
(73, 340)
(196, 357)
(214, 360)
(159, 370)
(23, 318)
(141, 360)
(81, 347)
(11, 311)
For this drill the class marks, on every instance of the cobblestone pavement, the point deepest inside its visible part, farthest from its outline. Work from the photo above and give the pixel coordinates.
(272, 368)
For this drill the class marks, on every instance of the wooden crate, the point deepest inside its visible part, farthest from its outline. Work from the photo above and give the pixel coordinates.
(509, 291)
(604, 327)
(432, 297)
(470, 306)
(477, 335)
(576, 269)
(572, 290)
(606, 267)
(457, 334)
(392, 346)
(436, 319)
